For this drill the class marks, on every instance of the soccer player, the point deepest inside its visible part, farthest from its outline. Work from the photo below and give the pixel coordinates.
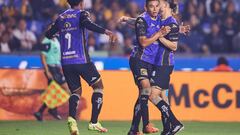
(141, 62)
(164, 67)
(51, 61)
(158, 81)
(71, 26)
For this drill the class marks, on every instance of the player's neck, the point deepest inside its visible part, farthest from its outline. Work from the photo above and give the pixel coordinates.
(78, 7)
(166, 15)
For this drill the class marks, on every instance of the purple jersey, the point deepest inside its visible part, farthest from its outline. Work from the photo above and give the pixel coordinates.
(146, 26)
(165, 56)
(72, 38)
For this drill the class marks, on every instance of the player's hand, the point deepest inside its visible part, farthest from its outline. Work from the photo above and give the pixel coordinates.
(184, 29)
(164, 31)
(112, 36)
(123, 19)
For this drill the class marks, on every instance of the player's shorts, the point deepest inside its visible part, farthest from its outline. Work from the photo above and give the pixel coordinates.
(140, 69)
(73, 73)
(57, 74)
(161, 77)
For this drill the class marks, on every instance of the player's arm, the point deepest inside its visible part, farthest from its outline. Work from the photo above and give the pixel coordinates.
(141, 31)
(86, 22)
(130, 21)
(184, 29)
(172, 42)
(52, 31)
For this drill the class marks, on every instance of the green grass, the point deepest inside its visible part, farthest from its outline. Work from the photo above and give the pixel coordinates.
(115, 128)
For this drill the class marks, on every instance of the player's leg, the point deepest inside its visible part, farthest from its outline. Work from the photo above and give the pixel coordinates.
(141, 72)
(93, 78)
(73, 81)
(162, 80)
(163, 107)
(134, 129)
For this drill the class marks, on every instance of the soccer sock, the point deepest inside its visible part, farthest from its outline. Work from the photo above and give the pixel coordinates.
(97, 100)
(42, 108)
(73, 104)
(144, 109)
(166, 123)
(136, 116)
(166, 111)
(174, 119)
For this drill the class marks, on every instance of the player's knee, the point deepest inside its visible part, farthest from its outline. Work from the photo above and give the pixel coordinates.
(77, 92)
(155, 99)
(98, 91)
(146, 91)
(98, 85)
(145, 84)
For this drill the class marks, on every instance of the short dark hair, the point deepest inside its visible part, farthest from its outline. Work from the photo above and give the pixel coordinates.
(74, 3)
(172, 4)
(222, 60)
(147, 1)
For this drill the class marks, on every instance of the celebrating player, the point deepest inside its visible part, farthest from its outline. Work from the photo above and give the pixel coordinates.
(141, 62)
(164, 67)
(160, 74)
(71, 26)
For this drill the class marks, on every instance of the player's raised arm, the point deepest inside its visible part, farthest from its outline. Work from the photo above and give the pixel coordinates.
(130, 21)
(87, 23)
(141, 31)
(184, 29)
(172, 41)
(52, 30)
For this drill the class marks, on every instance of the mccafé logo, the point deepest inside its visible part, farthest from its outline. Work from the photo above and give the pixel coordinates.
(184, 96)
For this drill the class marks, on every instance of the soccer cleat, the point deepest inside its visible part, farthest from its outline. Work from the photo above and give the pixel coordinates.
(134, 133)
(97, 127)
(38, 116)
(72, 125)
(55, 114)
(149, 129)
(165, 133)
(176, 128)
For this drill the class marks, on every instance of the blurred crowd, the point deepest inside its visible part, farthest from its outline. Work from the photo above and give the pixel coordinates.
(215, 24)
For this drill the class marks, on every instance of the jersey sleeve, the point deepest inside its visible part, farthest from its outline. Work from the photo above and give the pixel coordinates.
(86, 22)
(174, 33)
(52, 31)
(140, 27)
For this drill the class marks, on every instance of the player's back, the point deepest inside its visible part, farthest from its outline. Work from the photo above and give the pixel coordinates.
(72, 38)
(165, 56)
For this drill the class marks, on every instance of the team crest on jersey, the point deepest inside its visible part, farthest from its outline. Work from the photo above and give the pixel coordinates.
(174, 26)
(67, 25)
(143, 71)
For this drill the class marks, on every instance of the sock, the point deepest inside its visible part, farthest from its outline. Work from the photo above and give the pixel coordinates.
(144, 109)
(97, 100)
(136, 116)
(73, 105)
(167, 112)
(42, 108)
(166, 124)
(174, 121)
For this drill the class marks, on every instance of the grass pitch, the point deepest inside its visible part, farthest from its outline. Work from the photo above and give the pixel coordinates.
(114, 127)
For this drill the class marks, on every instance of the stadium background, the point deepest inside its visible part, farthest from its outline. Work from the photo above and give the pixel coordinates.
(198, 94)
